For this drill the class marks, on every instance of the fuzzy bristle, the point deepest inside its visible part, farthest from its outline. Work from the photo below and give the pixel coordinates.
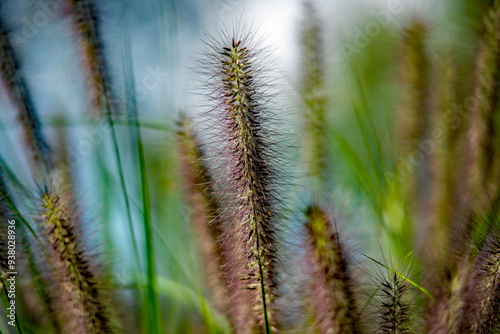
(394, 310)
(79, 281)
(330, 298)
(4, 218)
(483, 304)
(15, 85)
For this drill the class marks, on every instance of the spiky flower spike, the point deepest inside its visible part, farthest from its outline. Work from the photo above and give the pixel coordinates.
(413, 128)
(86, 27)
(37, 147)
(413, 116)
(445, 161)
(483, 296)
(240, 100)
(330, 297)
(482, 131)
(393, 308)
(313, 92)
(87, 301)
(206, 213)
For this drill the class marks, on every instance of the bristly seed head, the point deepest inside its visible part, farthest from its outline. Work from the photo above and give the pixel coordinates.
(84, 290)
(240, 107)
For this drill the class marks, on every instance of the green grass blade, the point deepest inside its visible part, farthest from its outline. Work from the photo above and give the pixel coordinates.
(402, 276)
(155, 319)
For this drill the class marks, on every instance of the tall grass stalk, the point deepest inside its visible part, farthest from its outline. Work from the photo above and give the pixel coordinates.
(235, 87)
(482, 184)
(88, 309)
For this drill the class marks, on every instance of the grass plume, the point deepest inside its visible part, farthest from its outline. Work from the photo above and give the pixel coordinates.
(236, 87)
(483, 295)
(330, 297)
(393, 307)
(483, 186)
(85, 24)
(313, 92)
(36, 146)
(58, 218)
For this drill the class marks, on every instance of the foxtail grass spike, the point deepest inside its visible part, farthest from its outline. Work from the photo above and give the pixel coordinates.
(445, 160)
(447, 312)
(206, 213)
(17, 89)
(86, 298)
(482, 132)
(483, 296)
(414, 113)
(240, 105)
(314, 92)
(394, 308)
(330, 298)
(86, 27)
(413, 127)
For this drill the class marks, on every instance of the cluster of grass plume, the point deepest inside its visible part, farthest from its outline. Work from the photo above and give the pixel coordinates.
(74, 292)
